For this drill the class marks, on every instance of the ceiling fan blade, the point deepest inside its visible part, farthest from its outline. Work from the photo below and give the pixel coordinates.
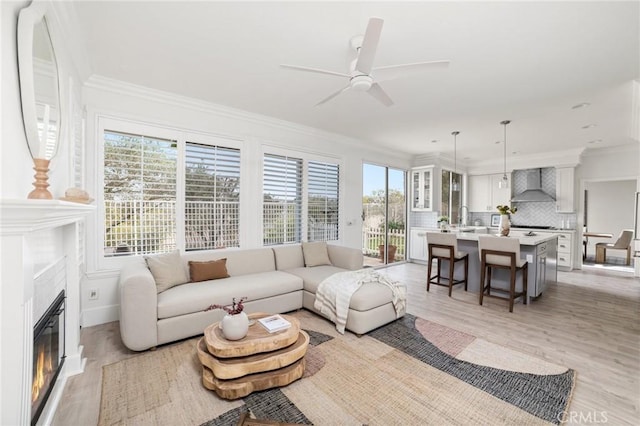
(316, 70)
(377, 92)
(394, 71)
(333, 95)
(367, 52)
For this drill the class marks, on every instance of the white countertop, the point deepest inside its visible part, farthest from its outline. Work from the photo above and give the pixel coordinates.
(525, 240)
(454, 229)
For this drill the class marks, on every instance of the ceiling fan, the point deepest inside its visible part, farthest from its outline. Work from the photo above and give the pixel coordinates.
(363, 77)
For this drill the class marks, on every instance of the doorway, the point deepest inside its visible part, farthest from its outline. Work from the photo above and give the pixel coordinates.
(384, 213)
(604, 223)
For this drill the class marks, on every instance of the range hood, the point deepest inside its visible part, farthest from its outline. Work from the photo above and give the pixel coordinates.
(534, 192)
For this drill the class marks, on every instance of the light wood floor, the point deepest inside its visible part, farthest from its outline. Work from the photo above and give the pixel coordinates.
(588, 321)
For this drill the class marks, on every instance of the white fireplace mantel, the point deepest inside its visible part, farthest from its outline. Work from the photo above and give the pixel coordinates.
(20, 219)
(23, 216)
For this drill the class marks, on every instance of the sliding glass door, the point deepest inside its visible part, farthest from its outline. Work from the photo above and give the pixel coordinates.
(383, 214)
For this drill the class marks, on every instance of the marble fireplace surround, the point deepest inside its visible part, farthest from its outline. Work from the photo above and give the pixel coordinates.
(20, 220)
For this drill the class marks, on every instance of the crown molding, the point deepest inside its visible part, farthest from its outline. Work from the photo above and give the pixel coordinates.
(129, 89)
(565, 158)
(631, 148)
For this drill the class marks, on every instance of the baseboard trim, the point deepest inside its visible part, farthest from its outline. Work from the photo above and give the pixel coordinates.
(101, 315)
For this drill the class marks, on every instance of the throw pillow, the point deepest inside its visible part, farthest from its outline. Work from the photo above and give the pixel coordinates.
(315, 254)
(210, 270)
(167, 270)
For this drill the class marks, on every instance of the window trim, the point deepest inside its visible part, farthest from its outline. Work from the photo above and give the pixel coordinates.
(181, 136)
(306, 156)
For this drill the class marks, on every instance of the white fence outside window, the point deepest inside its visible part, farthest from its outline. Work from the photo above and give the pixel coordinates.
(141, 227)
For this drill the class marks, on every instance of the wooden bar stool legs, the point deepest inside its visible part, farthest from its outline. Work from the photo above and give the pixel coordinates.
(444, 247)
(499, 253)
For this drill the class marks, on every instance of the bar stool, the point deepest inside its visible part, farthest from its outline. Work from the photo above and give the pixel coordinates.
(501, 253)
(444, 246)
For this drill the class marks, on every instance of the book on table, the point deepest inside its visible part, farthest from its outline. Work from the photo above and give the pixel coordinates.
(274, 323)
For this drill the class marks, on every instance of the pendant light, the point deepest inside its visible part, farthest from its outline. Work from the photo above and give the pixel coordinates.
(455, 186)
(504, 182)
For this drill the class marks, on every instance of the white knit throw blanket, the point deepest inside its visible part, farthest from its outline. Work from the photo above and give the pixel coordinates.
(334, 294)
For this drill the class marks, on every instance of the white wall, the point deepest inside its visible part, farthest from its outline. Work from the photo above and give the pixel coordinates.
(111, 98)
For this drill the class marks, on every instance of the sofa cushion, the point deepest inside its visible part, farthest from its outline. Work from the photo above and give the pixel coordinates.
(208, 270)
(194, 297)
(239, 262)
(315, 254)
(312, 277)
(288, 256)
(167, 270)
(368, 296)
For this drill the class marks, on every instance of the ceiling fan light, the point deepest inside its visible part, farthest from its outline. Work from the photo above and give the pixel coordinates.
(361, 83)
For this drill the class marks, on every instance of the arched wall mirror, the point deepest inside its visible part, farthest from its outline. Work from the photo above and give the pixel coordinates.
(39, 92)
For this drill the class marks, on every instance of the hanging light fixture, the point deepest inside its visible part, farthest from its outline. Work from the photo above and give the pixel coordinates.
(455, 186)
(504, 182)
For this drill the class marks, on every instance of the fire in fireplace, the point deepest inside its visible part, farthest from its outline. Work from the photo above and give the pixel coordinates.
(48, 355)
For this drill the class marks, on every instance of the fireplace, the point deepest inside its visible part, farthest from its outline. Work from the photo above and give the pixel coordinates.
(48, 355)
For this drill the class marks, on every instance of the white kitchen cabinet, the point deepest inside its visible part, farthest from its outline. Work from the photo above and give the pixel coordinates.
(565, 250)
(564, 190)
(485, 193)
(418, 245)
(478, 193)
(422, 189)
(566, 240)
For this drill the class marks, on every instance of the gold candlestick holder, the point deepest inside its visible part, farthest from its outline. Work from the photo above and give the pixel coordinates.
(41, 166)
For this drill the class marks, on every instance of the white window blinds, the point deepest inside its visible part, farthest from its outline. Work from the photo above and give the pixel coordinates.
(212, 197)
(322, 201)
(282, 199)
(139, 194)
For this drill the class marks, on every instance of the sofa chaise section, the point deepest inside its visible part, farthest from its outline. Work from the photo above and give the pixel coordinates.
(370, 306)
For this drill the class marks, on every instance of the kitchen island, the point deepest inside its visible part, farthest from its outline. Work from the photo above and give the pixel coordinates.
(540, 251)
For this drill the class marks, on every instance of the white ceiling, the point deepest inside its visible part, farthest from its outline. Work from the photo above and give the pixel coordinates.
(529, 62)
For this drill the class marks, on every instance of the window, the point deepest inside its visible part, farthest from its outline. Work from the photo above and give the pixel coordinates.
(139, 194)
(451, 195)
(322, 202)
(282, 200)
(147, 194)
(212, 197)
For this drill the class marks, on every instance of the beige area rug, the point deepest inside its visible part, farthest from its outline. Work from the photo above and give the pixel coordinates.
(412, 371)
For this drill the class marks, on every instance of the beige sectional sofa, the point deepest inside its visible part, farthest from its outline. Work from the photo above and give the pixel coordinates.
(274, 279)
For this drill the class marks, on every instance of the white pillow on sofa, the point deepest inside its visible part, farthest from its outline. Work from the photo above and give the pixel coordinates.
(167, 270)
(315, 254)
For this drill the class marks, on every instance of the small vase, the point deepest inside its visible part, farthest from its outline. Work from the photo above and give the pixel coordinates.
(505, 225)
(235, 327)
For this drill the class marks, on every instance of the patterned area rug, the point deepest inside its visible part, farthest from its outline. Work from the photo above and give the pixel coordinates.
(411, 371)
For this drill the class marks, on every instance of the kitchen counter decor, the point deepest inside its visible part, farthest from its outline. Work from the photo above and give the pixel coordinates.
(505, 224)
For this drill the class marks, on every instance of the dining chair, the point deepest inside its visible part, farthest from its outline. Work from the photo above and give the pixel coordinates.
(623, 243)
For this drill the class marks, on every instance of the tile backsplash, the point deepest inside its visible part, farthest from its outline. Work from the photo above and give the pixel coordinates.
(534, 213)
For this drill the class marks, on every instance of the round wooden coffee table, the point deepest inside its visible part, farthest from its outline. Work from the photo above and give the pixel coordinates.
(260, 360)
